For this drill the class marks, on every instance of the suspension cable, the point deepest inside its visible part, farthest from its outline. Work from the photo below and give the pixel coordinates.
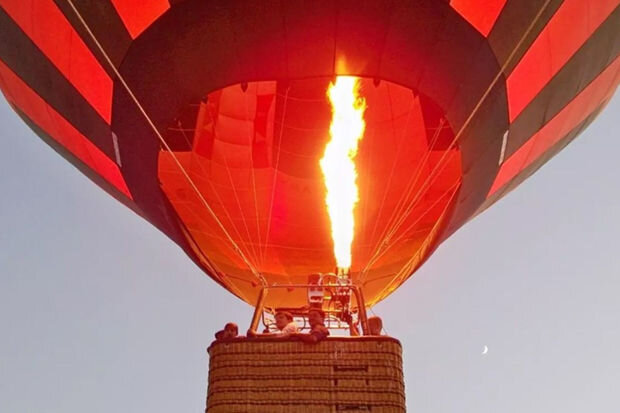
(236, 247)
(440, 164)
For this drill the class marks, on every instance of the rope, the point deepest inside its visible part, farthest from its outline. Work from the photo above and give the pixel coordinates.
(384, 329)
(275, 175)
(165, 144)
(398, 215)
(400, 141)
(441, 163)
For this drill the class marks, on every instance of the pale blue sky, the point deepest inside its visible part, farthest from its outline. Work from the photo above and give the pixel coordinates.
(100, 312)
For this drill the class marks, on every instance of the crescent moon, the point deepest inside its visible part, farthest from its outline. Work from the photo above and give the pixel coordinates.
(485, 351)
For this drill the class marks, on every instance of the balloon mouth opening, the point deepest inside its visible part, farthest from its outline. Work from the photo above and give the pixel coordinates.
(243, 177)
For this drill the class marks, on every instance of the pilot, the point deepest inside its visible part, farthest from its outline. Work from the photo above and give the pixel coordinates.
(318, 331)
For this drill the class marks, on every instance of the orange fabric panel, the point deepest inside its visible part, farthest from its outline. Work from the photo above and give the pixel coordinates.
(482, 14)
(20, 95)
(570, 27)
(138, 15)
(574, 113)
(58, 40)
(277, 216)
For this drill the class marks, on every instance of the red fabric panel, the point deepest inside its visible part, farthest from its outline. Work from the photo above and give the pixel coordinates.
(263, 106)
(62, 45)
(566, 32)
(138, 15)
(20, 95)
(574, 113)
(482, 14)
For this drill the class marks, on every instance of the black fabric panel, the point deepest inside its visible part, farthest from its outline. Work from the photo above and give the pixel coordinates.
(414, 31)
(81, 166)
(511, 25)
(259, 20)
(455, 51)
(361, 31)
(310, 32)
(24, 58)
(200, 45)
(543, 159)
(437, 53)
(480, 145)
(194, 44)
(458, 78)
(205, 46)
(139, 147)
(478, 77)
(106, 25)
(590, 60)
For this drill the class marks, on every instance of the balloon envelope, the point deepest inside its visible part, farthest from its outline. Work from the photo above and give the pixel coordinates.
(208, 119)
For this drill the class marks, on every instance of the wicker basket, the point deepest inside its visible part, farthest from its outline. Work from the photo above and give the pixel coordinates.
(339, 374)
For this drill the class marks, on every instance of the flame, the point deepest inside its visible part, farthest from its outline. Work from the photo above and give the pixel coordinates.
(346, 130)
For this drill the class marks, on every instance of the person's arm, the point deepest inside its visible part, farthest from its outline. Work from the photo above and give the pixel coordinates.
(314, 336)
(305, 337)
(268, 335)
(285, 333)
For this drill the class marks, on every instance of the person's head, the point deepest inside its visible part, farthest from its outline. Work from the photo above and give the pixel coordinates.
(283, 318)
(316, 316)
(375, 325)
(231, 330)
(220, 335)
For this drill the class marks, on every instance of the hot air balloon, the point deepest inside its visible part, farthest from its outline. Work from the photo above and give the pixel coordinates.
(209, 118)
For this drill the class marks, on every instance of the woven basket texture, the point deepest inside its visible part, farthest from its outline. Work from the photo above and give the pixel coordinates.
(335, 375)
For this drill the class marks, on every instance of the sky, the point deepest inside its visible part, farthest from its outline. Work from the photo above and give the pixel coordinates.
(100, 312)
